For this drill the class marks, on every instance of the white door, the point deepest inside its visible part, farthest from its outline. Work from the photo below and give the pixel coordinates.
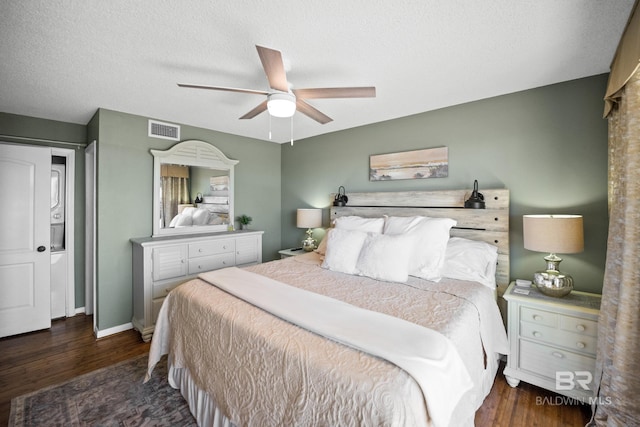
(25, 256)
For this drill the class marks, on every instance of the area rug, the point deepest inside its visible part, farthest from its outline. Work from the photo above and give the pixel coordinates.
(112, 396)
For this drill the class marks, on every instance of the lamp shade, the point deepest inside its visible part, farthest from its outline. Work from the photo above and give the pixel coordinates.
(562, 234)
(309, 218)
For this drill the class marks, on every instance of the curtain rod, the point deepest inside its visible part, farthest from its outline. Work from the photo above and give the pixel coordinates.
(50, 141)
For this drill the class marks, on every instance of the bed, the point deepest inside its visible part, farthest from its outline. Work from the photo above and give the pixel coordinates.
(305, 341)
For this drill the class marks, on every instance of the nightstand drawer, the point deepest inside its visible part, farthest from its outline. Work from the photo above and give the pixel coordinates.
(211, 247)
(581, 326)
(570, 340)
(539, 317)
(546, 361)
(214, 262)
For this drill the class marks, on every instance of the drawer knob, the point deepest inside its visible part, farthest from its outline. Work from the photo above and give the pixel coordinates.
(224, 262)
(558, 355)
(200, 250)
(580, 344)
(580, 328)
(537, 317)
(224, 246)
(537, 334)
(199, 268)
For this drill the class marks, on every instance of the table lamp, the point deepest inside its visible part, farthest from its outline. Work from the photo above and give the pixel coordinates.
(553, 234)
(309, 218)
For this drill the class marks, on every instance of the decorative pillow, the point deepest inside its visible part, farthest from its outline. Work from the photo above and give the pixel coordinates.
(322, 246)
(471, 260)
(343, 249)
(385, 257)
(431, 237)
(368, 225)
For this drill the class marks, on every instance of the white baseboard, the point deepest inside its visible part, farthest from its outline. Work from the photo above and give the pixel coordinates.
(106, 332)
(80, 310)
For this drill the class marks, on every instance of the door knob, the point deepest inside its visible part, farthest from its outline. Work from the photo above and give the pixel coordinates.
(41, 249)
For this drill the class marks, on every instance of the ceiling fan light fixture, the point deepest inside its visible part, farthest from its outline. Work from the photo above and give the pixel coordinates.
(281, 104)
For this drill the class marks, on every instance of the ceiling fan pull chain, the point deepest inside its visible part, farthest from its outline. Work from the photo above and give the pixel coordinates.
(292, 131)
(269, 127)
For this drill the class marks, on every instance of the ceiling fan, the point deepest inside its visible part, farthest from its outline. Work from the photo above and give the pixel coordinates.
(281, 100)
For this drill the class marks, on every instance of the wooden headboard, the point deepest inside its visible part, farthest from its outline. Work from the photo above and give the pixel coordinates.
(489, 225)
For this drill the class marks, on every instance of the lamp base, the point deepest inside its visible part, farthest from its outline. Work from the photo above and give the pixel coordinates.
(309, 244)
(551, 281)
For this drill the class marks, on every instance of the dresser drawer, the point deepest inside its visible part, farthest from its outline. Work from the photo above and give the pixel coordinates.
(160, 290)
(246, 250)
(546, 361)
(574, 341)
(213, 247)
(581, 326)
(213, 262)
(539, 317)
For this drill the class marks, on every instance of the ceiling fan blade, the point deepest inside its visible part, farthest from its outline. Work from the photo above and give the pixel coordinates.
(228, 89)
(336, 92)
(259, 109)
(274, 68)
(311, 112)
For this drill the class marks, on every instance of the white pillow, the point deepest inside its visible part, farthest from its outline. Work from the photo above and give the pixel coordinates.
(471, 260)
(401, 224)
(183, 220)
(431, 237)
(385, 257)
(343, 249)
(368, 225)
(200, 216)
(189, 210)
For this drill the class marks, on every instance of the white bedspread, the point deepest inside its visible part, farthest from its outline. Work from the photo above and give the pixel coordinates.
(428, 356)
(261, 370)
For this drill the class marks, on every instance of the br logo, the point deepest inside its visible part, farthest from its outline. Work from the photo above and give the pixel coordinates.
(567, 380)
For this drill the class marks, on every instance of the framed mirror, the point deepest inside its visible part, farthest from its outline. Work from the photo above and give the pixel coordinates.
(192, 189)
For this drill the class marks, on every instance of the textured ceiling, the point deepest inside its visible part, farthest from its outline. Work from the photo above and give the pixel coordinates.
(63, 60)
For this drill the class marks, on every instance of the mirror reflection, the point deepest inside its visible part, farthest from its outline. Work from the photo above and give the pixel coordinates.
(193, 196)
(192, 189)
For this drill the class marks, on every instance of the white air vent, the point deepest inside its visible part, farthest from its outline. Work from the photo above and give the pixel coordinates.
(164, 130)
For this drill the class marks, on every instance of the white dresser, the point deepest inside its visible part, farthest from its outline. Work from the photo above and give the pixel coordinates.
(162, 263)
(552, 340)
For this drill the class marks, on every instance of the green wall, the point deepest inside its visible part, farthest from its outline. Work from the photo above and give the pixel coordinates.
(33, 131)
(548, 146)
(125, 185)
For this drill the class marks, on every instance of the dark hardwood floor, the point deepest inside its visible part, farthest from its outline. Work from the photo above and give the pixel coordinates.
(32, 361)
(29, 362)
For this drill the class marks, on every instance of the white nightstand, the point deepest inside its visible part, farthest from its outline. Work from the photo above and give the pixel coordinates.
(552, 340)
(286, 253)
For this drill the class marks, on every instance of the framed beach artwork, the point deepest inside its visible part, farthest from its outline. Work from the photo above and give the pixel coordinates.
(417, 164)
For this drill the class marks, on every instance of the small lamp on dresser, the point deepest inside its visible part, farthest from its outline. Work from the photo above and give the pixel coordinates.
(309, 219)
(553, 234)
